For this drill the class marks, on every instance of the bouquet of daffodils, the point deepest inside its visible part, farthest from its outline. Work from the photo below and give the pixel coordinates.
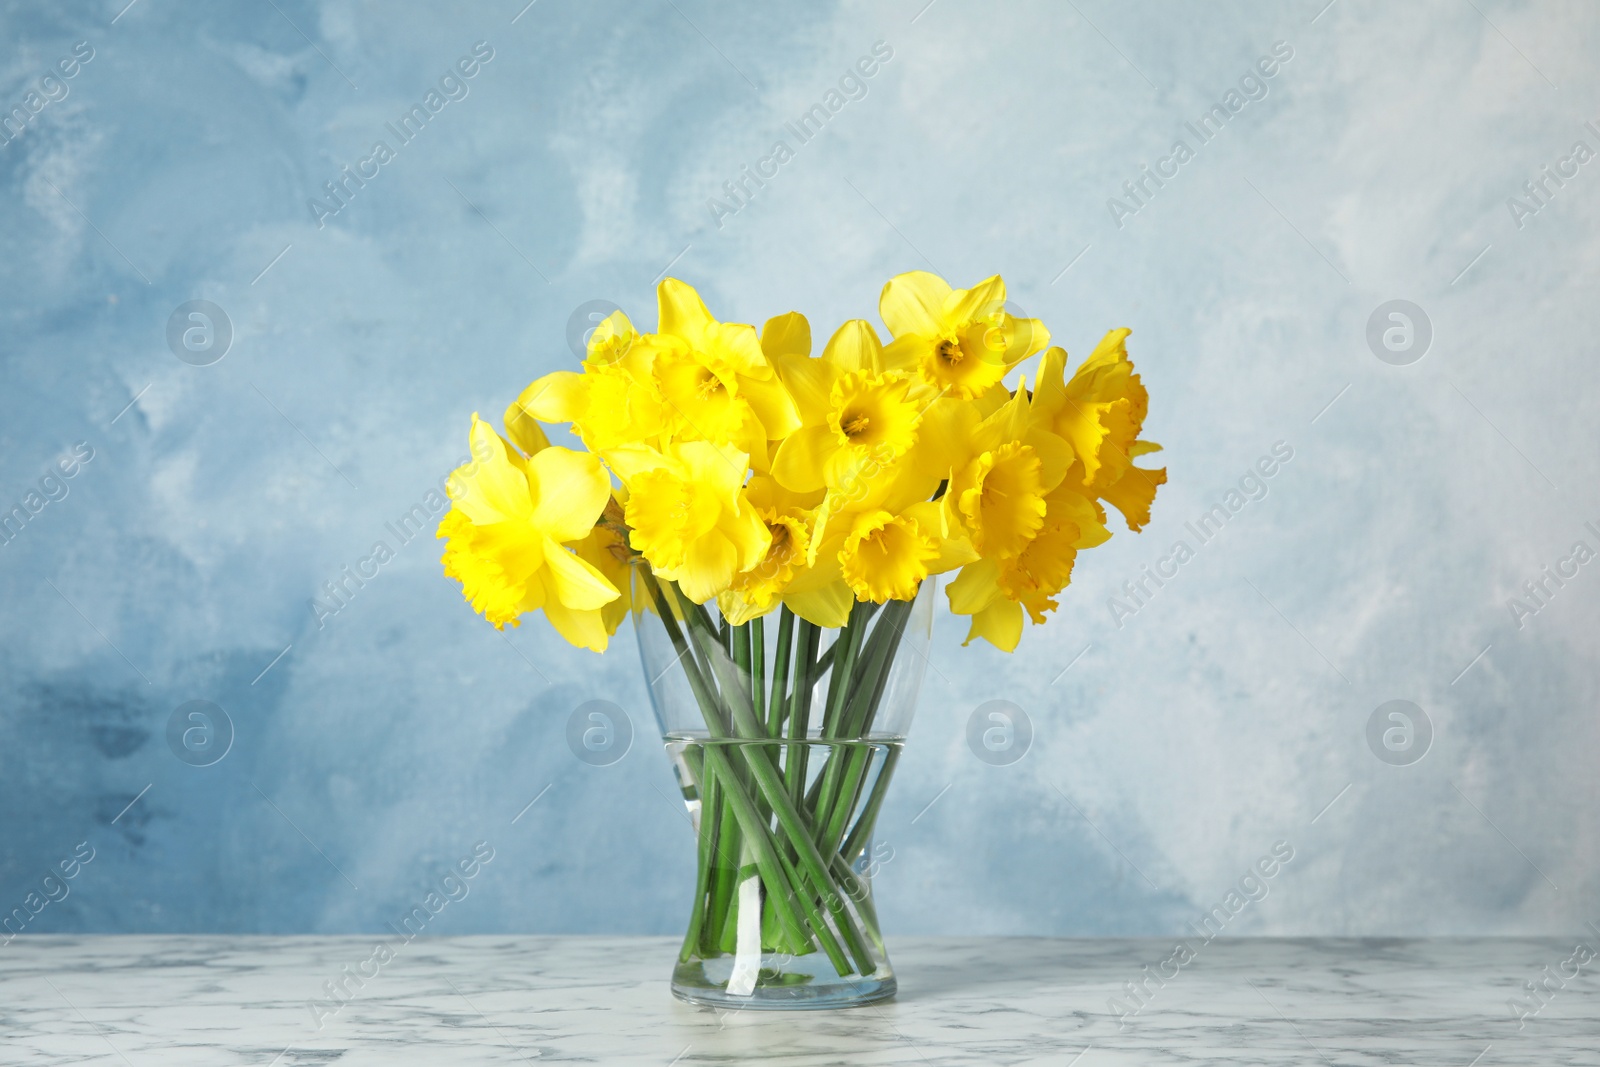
(729, 469)
(745, 470)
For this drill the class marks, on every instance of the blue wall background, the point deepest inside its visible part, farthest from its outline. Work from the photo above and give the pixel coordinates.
(1228, 713)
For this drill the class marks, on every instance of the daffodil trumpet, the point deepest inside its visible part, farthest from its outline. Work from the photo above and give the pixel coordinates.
(775, 522)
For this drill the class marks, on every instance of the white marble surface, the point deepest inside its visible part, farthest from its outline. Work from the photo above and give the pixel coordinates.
(508, 1000)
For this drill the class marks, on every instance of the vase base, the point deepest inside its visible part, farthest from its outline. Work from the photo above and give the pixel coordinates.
(788, 991)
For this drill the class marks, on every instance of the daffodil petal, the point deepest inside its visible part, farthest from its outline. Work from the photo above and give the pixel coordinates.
(681, 311)
(570, 489)
(981, 301)
(1055, 457)
(975, 587)
(493, 488)
(627, 462)
(1023, 337)
(827, 606)
(524, 430)
(786, 335)
(581, 628)
(737, 345)
(605, 550)
(855, 347)
(772, 404)
(576, 582)
(721, 470)
(810, 383)
(803, 458)
(562, 396)
(1000, 624)
(944, 437)
(913, 303)
(709, 565)
(749, 536)
(738, 608)
(905, 353)
(1113, 348)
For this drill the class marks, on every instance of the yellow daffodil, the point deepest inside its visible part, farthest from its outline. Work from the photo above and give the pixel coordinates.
(757, 590)
(996, 591)
(850, 412)
(869, 423)
(689, 515)
(876, 539)
(615, 401)
(1000, 495)
(788, 517)
(886, 556)
(508, 531)
(961, 342)
(1101, 413)
(1022, 497)
(997, 489)
(717, 381)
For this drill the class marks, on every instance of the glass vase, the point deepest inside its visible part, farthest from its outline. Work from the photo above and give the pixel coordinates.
(784, 738)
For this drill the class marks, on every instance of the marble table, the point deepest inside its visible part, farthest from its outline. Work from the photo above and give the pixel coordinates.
(516, 1000)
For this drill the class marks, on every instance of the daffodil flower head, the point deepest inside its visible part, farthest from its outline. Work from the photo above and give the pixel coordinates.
(689, 515)
(703, 405)
(996, 591)
(868, 423)
(870, 413)
(508, 531)
(730, 357)
(886, 557)
(1100, 412)
(615, 401)
(961, 342)
(610, 341)
(1000, 495)
(757, 590)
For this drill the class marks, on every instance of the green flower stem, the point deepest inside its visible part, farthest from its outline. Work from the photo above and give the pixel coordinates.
(761, 812)
(719, 932)
(772, 790)
(805, 676)
(862, 709)
(779, 885)
(707, 844)
(776, 875)
(869, 812)
(858, 892)
(778, 706)
(825, 660)
(740, 636)
(814, 790)
(834, 726)
(757, 639)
